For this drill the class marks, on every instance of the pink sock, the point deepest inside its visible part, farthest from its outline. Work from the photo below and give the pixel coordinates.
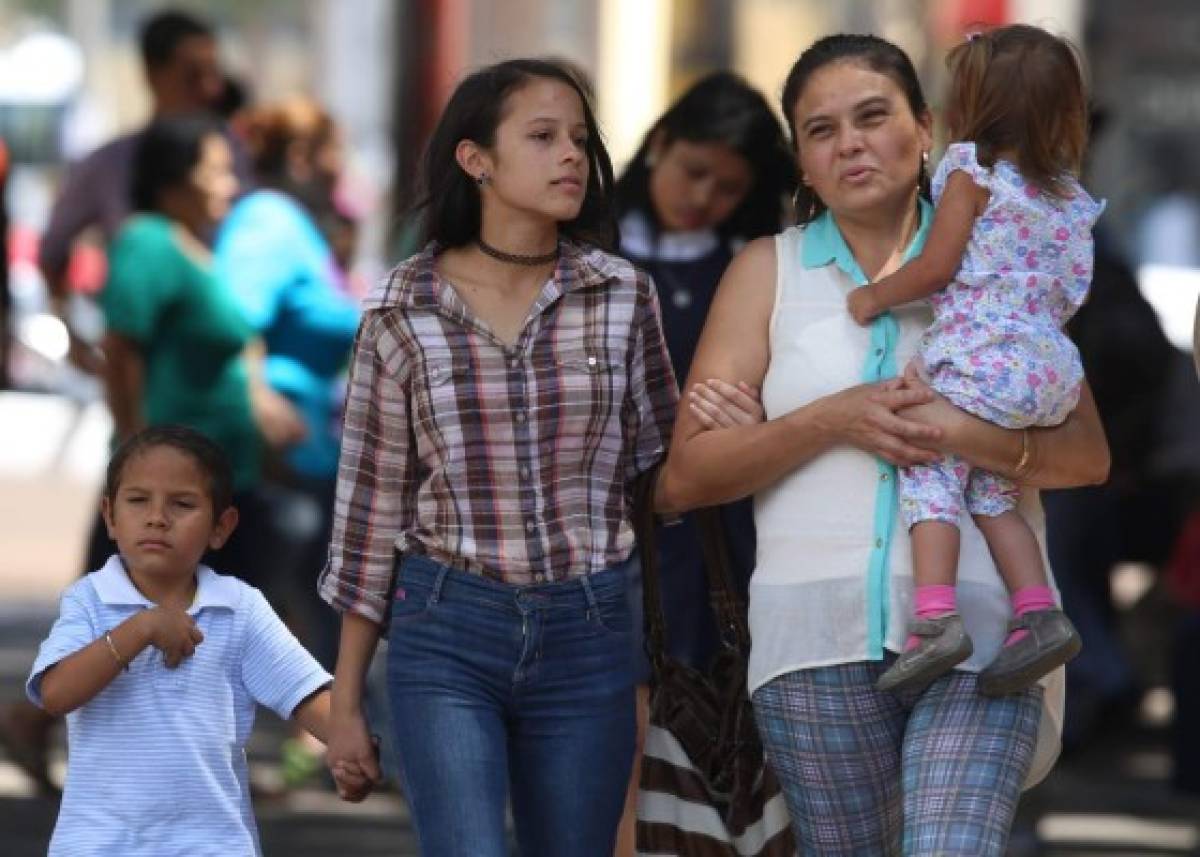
(929, 602)
(1025, 600)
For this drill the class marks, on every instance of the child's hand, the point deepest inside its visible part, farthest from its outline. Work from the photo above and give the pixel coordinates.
(914, 373)
(353, 785)
(353, 781)
(862, 305)
(173, 632)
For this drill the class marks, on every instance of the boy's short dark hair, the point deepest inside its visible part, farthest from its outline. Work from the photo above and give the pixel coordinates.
(209, 457)
(162, 33)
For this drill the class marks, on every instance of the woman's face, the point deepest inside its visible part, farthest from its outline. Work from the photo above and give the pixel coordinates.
(539, 161)
(212, 181)
(860, 146)
(697, 185)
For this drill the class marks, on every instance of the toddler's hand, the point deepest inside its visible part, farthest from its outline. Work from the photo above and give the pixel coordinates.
(862, 305)
(173, 632)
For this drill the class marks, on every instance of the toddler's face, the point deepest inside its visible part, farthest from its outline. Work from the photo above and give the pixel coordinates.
(162, 515)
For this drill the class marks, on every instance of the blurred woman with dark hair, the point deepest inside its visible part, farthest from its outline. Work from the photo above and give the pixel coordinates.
(712, 173)
(176, 340)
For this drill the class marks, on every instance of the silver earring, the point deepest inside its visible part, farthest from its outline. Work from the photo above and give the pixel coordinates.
(924, 159)
(482, 179)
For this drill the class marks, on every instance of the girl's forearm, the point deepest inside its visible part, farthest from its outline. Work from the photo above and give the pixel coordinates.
(723, 465)
(357, 645)
(76, 680)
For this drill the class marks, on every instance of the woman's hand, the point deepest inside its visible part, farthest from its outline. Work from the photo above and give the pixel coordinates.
(718, 404)
(277, 419)
(352, 756)
(877, 419)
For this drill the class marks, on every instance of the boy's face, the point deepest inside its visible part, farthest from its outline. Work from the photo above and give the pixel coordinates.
(162, 515)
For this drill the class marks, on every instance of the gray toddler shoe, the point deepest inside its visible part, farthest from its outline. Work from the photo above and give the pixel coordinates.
(1051, 642)
(944, 644)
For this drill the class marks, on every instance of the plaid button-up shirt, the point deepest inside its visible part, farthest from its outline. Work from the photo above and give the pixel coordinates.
(512, 462)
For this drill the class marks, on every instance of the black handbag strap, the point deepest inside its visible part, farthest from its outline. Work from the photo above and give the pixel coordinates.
(727, 607)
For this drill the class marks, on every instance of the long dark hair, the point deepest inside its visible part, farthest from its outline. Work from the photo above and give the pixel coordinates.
(449, 197)
(721, 108)
(881, 57)
(1020, 88)
(167, 152)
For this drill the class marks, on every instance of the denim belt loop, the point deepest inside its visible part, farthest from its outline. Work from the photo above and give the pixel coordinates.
(590, 595)
(438, 583)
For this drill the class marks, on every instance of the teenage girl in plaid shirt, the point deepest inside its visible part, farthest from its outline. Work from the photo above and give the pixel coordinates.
(509, 382)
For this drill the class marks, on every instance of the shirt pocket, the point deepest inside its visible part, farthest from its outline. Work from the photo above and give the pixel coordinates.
(590, 386)
(434, 392)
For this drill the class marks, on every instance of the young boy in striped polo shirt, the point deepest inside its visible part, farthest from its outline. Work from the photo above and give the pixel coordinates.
(158, 664)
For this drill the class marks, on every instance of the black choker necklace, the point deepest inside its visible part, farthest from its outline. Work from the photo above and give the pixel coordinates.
(516, 258)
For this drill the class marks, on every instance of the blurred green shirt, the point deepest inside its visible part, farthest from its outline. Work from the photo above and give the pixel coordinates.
(192, 334)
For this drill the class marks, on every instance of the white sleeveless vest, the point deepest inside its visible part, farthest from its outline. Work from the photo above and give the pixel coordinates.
(809, 598)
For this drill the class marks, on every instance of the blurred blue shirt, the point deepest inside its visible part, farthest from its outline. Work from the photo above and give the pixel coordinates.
(282, 269)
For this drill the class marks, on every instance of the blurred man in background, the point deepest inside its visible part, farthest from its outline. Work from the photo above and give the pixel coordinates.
(179, 55)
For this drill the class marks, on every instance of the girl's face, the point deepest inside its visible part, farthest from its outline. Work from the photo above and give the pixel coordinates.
(697, 185)
(212, 181)
(162, 516)
(860, 146)
(539, 162)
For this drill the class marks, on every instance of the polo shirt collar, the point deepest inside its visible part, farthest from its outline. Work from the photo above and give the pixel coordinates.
(115, 589)
(824, 244)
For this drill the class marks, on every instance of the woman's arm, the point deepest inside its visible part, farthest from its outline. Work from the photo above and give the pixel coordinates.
(937, 263)
(1069, 455)
(124, 379)
(705, 467)
(277, 419)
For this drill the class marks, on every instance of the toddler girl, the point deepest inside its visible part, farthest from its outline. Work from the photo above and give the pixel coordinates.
(1008, 261)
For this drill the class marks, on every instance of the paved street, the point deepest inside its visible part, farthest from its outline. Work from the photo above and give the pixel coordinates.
(1110, 799)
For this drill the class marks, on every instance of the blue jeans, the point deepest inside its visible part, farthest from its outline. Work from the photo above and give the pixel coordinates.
(497, 688)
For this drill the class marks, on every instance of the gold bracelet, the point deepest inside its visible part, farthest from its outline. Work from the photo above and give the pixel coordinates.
(1026, 458)
(112, 647)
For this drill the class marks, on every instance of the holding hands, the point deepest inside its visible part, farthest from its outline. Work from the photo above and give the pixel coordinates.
(352, 756)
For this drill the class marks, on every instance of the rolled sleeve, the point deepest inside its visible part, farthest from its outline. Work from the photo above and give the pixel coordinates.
(653, 393)
(376, 481)
(73, 630)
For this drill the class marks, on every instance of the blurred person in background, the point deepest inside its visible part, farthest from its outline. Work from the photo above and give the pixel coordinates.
(282, 270)
(178, 348)
(1135, 515)
(5, 294)
(711, 174)
(179, 57)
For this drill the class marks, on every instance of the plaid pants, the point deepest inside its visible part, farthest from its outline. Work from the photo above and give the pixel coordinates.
(876, 774)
